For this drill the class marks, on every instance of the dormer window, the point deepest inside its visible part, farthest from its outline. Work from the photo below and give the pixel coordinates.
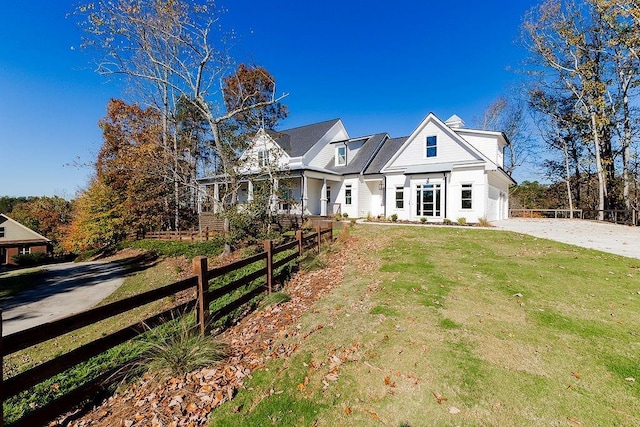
(432, 146)
(341, 155)
(263, 158)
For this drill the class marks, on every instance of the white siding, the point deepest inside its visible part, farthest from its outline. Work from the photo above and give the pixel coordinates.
(364, 198)
(322, 152)
(449, 150)
(393, 181)
(261, 142)
(487, 145)
(314, 187)
(477, 178)
(351, 210)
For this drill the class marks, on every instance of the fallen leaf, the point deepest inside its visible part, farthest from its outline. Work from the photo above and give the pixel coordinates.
(347, 410)
(300, 386)
(332, 376)
(387, 380)
(574, 421)
(439, 397)
(575, 374)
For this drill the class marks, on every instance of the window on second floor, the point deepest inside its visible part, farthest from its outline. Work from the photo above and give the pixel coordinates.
(341, 155)
(432, 146)
(1, 232)
(263, 158)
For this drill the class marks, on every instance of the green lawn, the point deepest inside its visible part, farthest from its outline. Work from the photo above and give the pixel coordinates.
(14, 281)
(453, 326)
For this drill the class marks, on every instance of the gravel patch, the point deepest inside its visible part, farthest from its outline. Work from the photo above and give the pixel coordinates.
(612, 238)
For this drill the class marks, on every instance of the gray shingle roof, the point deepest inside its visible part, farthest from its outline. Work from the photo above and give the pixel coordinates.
(362, 157)
(297, 141)
(388, 149)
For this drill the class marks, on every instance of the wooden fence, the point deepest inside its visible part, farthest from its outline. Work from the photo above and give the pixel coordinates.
(255, 282)
(186, 235)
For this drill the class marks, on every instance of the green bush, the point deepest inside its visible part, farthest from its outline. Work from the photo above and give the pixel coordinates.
(447, 221)
(394, 217)
(345, 215)
(25, 260)
(462, 221)
(423, 220)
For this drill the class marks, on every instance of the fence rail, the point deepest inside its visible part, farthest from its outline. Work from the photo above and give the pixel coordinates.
(192, 235)
(206, 295)
(545, 213)
(617, 216)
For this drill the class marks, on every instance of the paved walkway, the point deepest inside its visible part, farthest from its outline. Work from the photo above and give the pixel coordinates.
(66, 289)
(616, 239)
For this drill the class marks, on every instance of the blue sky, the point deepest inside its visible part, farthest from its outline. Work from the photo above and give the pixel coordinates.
(380, 66)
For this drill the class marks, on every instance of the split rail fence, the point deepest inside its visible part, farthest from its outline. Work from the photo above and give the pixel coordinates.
(182, 235)
(239, 290)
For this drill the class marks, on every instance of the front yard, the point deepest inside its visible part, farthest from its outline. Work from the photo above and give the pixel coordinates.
(451, 326)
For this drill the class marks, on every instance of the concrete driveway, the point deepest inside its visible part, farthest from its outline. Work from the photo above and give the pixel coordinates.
(616, 239)
(65, 289)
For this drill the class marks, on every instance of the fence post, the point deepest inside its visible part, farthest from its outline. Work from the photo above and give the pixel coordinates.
(200, 269)
(299, 239)
(1, 373)
(318, 229)
(331, 233)
(206, 234)
(268, 248)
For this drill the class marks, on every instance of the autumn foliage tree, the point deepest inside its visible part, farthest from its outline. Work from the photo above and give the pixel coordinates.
(129, 193)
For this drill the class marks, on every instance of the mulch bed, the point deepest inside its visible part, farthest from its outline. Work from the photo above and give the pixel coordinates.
(188, 401)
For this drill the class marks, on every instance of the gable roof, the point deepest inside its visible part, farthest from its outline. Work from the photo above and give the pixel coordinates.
(16, 232)
(297, 141)
(451, 132)
(388, 149)
(362, 158)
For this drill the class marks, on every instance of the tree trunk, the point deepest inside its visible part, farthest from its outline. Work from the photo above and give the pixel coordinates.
(568, 179)
(626, 153)
(602, 180)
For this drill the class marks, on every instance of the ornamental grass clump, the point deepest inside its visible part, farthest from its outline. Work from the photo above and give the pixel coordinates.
(178, 348)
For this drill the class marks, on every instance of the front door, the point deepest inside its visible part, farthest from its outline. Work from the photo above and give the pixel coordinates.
(428, 200)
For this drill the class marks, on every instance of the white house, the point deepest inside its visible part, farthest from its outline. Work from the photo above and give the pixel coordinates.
(442, 170)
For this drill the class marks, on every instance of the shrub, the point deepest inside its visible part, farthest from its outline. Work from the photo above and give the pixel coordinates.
(423, 220)
(345, 215)
(447, 221)
(337, 217)
(484, 222)
(352, 222)
(462, 221)
(29, 259)
(394, 217)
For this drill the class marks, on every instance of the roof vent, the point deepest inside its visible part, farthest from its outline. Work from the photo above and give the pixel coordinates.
(454, 122)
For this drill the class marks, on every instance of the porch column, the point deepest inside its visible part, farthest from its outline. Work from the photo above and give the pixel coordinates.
(323, 198)
(216, 197)
(305, 194)
(250, 191)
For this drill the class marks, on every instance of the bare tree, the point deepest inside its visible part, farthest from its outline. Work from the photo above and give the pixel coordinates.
(509, 116)
(174, 49)
(567, 39)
